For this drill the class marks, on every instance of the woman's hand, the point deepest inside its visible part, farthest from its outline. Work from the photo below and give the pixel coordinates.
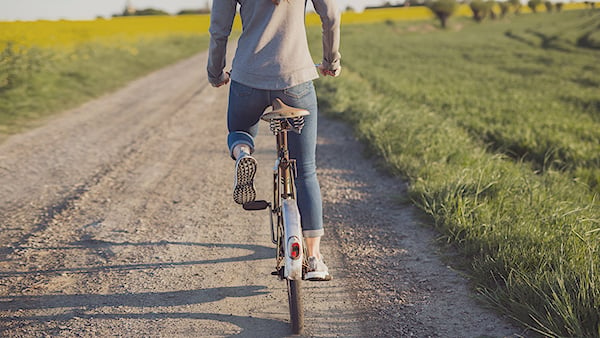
(226, 77)
(326, 72)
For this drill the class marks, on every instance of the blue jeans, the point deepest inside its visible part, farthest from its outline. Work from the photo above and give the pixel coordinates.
(246, 105)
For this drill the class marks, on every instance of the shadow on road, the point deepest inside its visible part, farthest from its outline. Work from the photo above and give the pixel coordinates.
(258, 252)
(82, 306)
(144, 299)
(81, 303)
(248, 325)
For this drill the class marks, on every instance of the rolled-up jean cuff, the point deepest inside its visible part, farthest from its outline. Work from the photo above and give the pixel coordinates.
(239, 137)
(313, 233)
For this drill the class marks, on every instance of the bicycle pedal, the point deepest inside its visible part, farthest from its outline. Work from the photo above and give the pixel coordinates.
(278, 272)
(256, 205)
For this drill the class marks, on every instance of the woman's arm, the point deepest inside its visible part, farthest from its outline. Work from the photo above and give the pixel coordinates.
(330, 23)
(221, 22)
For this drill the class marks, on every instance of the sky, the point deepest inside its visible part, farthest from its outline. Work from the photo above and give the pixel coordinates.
(29, 10)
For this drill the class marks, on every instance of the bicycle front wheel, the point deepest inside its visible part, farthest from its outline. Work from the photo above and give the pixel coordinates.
(296, 308)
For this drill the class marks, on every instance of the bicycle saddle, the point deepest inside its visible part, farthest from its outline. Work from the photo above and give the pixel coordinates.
(283, 111)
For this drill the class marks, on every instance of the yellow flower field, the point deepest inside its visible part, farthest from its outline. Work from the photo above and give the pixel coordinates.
(51, 34)
(117, 31)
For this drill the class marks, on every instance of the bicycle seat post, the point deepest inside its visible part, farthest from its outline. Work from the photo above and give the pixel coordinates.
(283, 118)
(285, 163)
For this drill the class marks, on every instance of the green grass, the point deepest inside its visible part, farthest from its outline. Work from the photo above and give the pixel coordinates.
(42, 82)
(497, 127)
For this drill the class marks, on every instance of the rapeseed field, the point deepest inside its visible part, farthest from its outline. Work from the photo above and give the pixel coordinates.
(67, 34)
(64, 34)
(47, 66)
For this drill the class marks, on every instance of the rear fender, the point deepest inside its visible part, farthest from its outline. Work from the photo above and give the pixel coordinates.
(294, 248)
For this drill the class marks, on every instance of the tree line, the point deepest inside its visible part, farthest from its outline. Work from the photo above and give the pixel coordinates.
(154, 11)
(443, 9)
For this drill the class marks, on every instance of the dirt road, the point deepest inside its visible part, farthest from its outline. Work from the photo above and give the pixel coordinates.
(116, 219)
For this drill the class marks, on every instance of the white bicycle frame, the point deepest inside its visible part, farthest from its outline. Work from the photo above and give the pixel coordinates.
(286, 229)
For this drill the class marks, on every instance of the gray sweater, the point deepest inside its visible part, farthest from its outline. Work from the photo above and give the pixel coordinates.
(272, 51)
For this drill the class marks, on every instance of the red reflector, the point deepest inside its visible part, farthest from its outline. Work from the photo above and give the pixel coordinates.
(295, 251)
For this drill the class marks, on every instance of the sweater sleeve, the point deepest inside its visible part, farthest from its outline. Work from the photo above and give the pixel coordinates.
(221, 21)
(330, 23)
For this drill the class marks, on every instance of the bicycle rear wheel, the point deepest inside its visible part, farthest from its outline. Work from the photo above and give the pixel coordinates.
(296, 308)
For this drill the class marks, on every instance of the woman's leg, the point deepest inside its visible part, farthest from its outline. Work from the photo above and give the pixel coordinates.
(303, 149)
(245, 107)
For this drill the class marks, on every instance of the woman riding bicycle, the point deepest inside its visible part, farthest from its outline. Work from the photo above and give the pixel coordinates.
(272, 61)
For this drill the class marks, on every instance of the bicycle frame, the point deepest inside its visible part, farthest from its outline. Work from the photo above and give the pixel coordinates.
(285, 207)
(286, 231)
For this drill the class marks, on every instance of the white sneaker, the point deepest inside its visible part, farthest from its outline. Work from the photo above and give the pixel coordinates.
(317, 270)
(243, 187)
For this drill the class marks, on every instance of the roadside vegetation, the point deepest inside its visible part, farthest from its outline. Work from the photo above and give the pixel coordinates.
(49, 66)
(496, 126)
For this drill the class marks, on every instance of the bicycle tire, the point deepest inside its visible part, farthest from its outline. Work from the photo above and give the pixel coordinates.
(296, 308)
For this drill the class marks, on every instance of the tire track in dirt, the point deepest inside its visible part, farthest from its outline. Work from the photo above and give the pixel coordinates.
(44, 172)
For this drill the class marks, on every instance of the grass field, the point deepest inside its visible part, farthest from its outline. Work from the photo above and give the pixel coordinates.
(497, 128)
(49, 66)
(495, 125)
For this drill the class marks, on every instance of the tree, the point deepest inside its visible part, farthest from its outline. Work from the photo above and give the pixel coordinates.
(516, 5)
(442, 9)
(482, 8)
(152, 11)
(130, 11)
(504, 8)
(479, 9)
(193, 11)
(491, 4)
(533, 4)
(549, 6)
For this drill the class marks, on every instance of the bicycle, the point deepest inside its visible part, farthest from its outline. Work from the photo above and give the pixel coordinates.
(286, 231)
